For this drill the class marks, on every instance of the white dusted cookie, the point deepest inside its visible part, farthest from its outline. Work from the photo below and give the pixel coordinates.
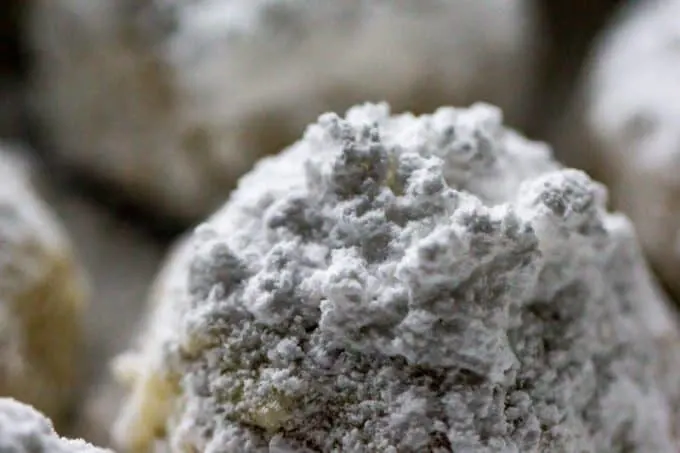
(624, 126)
(400, 283)
(171, 101)
(42, 297)
(23, 429)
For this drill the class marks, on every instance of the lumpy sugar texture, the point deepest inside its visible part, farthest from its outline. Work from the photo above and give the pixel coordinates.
(25, 430)
(400, 283)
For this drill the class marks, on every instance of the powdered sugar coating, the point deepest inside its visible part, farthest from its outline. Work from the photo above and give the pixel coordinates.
(25, 430)
(409, 284)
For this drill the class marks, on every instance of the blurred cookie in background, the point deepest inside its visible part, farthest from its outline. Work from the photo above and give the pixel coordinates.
(43, 294)
(170, 102)
(624, 126)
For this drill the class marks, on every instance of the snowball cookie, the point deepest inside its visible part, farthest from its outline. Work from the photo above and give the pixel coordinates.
(42, 294)
(172, 101)
(630, 110)
(25, 430)
(408, 284)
